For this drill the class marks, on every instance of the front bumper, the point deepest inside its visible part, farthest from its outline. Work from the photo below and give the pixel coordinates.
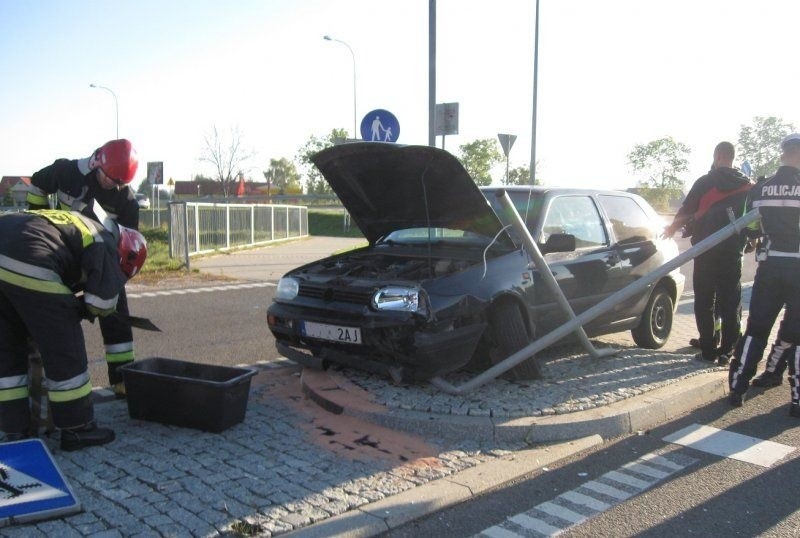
(402, 347)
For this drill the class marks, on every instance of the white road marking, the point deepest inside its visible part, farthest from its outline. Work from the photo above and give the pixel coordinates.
(528, 522)
(584, 500)
(549, 518)
(605, 489)
(730, 445)
(184, 291)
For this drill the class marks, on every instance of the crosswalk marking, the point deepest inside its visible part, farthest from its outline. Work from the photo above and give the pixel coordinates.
(730, 445)
(645, 470)
(550, 518)
(560, 512)
(532, 523)
(584, 500)
(605, 489)
(626, 479)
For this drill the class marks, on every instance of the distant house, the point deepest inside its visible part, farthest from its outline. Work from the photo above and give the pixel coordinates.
(205, 189)
(14, 189)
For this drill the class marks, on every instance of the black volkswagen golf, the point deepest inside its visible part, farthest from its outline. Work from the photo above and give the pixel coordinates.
(445, 284)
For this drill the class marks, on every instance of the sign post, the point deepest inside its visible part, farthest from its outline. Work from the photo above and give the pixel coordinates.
(506, 141)
(155, 175)
(445, 120)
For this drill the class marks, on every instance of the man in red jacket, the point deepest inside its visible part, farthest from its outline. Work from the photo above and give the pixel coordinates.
(712, 201)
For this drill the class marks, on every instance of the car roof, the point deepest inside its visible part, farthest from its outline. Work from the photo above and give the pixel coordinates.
(544, 189)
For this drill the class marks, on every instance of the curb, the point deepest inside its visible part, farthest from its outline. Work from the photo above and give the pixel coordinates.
(336, 394)
(397, 510)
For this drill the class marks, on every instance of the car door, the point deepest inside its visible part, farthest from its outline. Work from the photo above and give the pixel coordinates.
(633, 233)
(587, 275)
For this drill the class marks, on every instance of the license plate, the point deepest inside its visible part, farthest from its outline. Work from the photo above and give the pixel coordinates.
(333, 333)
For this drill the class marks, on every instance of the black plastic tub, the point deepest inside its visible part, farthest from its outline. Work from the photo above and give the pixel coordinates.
(201, 396)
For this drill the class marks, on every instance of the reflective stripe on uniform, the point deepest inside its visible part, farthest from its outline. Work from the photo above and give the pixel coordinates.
(89, 234)
(780, 254)
(13, 387)
(34, 284)
(119, 352)
(35, 199)
(27, 269)
(69, 389)
(784, 202)
(100, 304)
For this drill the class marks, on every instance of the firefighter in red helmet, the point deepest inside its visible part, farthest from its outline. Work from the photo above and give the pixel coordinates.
(46, 258)
(103, 177)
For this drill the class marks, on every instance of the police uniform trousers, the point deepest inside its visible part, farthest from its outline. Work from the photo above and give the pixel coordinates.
(53, 321)
(776, 284)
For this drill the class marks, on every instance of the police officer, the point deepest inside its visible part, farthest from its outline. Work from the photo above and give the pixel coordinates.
(708, 207)
(776, 283)
(46, 257)
(104, 177)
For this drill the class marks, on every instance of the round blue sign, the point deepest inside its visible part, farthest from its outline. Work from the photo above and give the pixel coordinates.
(380, 126)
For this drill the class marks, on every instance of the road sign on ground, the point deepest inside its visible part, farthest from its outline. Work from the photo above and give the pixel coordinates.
(31, 485)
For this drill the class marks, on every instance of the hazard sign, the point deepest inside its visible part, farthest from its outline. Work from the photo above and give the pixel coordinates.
(31, 485)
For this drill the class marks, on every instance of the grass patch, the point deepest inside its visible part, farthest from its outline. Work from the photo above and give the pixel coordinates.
(330, 222)
(158, 260)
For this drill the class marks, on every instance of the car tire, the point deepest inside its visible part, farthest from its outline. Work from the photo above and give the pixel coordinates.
(510, 335)
(656, 324)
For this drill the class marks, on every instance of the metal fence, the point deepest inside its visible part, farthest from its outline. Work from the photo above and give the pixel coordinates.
(197, 228)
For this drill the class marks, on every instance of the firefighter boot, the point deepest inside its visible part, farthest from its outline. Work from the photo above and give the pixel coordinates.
(85, 436)
(768, 379)
(119, 390)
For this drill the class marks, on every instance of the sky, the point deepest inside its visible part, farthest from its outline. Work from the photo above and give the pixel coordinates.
(611, 75)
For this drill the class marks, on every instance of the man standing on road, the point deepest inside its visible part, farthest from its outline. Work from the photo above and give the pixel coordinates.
(46, 257)
(104, 177)
(776, 282)
(712, 203)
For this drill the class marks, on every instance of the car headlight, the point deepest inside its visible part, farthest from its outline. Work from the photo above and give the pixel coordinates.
(398, 298)
(287, 288)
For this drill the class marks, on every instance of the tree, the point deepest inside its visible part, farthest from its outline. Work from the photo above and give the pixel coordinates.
(227, 156)
(521, 175)
(315, 183)
(283, 175)
(759, 144)
(661, 162)
(478, 157)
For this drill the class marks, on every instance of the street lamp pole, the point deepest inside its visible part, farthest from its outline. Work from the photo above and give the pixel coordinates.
(116, 103)
(329, 38)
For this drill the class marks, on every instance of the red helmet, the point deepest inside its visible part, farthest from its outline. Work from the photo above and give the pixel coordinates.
(132, 251)
(117, 159)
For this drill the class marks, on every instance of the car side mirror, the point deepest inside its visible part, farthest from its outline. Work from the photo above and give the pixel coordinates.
(559, 243)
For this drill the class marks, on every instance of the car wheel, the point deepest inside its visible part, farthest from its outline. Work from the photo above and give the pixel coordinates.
(510, 335)
(656, 325)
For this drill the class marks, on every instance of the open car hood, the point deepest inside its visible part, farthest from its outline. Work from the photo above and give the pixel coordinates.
(387, 187)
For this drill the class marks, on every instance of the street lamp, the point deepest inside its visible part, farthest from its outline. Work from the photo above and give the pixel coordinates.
(116, 103)
(329, 38)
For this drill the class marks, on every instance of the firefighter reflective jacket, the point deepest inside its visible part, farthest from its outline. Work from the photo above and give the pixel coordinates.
(61, 252)
(76, 187)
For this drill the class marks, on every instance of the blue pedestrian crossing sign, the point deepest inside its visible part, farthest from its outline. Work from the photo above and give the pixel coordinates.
(31, 485)
(380, 126)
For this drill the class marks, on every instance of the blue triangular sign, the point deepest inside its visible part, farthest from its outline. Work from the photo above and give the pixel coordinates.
(31, 485)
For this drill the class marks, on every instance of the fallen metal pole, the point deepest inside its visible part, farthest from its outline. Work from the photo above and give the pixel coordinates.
(547, 275)
(588, 315)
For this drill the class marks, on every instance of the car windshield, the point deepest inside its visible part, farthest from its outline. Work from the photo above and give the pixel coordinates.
(416, 236)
